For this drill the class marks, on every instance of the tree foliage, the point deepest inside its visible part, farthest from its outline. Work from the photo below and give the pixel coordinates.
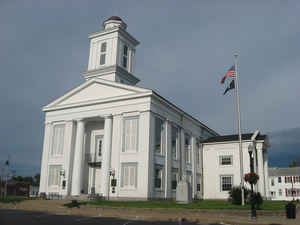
(35, 180)
(293, 164)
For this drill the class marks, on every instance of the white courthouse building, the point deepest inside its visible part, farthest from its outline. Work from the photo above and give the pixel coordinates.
(110, 129)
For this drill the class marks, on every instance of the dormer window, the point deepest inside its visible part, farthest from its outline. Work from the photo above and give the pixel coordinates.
(125, 56)
(103, 53)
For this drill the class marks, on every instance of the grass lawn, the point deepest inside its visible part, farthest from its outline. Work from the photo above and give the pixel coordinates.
(13, 199)
(197, 204)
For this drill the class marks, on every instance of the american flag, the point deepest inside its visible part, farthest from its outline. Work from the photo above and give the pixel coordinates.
(229, 73)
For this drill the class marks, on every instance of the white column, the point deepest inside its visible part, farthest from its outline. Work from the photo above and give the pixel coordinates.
(182, 156)
(44, 166)
(69, 154)
(106, 154)
(266, 173)
(168, 161)
(194, 166)
(78, 159)
(151, 158)
(260, 166)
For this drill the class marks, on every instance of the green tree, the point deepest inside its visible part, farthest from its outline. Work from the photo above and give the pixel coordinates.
(293, 164)
(36, 179)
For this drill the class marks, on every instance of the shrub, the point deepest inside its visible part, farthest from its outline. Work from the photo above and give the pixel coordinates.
(236, 195)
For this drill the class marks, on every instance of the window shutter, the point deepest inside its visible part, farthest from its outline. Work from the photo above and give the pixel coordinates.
(126, 135)
(163, 138)
(61, 140)
(134, 134)
(163, 178)
(126, 176)
(132, 176)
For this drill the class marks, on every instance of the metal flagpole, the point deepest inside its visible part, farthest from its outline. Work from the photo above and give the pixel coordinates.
(239, 126)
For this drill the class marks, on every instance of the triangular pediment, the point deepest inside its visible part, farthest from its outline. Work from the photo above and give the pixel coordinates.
(95, 90)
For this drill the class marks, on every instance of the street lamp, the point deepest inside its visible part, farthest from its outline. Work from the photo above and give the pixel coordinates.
(253, 210)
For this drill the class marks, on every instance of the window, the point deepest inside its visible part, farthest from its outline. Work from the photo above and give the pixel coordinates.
(159, 131)
(279, 179)
(102, 53)
(198, 155)
(273, 193)
(272, 182)
(58, 140)
(198, 180)
(188, 149)
(189, 178)
(129, 175)
(297, 179)
(290, 192)
(158, 177)
(54, 175)
(226, 160)
(125, 56)
(174, 142)
(99, 144)
(226, 182)
(280, 192)
(174, 178)
(287, 179)
(130, 130)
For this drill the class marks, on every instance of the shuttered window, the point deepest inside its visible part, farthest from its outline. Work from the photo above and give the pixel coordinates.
(174, 141)
(129, 175)
(54, 175)
(159, 136)
(131, 127)
(58, 140)
(103, 53)
(188, 148)
(159, 177)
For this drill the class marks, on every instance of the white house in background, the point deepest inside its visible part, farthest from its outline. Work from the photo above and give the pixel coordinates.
(109, 126)
(221, 165)
(283, 181)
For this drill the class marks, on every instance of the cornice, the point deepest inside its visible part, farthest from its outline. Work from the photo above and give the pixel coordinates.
(112, 30)
(95, 102)
(108, 70)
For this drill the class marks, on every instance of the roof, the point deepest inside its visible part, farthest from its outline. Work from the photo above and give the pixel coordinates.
(226, 138)
(211, 131)
(291, 171)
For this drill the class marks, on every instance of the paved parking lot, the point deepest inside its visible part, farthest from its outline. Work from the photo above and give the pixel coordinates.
(16, 217)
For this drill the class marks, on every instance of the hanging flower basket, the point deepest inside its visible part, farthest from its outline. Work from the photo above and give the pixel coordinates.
(251, 178)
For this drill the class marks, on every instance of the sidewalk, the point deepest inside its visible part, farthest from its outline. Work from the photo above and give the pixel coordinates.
(233, 217)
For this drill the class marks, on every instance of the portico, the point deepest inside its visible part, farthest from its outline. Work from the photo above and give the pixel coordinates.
(85, 154)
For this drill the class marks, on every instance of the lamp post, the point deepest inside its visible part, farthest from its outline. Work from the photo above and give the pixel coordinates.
(253, 210)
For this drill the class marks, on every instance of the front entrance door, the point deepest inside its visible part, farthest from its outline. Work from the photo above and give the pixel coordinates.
(95, 161)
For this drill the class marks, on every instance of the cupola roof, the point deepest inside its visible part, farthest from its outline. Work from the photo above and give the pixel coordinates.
(114, 21)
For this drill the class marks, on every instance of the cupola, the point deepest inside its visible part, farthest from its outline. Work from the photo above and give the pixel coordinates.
(112, 53)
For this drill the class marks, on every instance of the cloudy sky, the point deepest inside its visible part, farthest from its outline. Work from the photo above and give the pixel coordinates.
(186, 47)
